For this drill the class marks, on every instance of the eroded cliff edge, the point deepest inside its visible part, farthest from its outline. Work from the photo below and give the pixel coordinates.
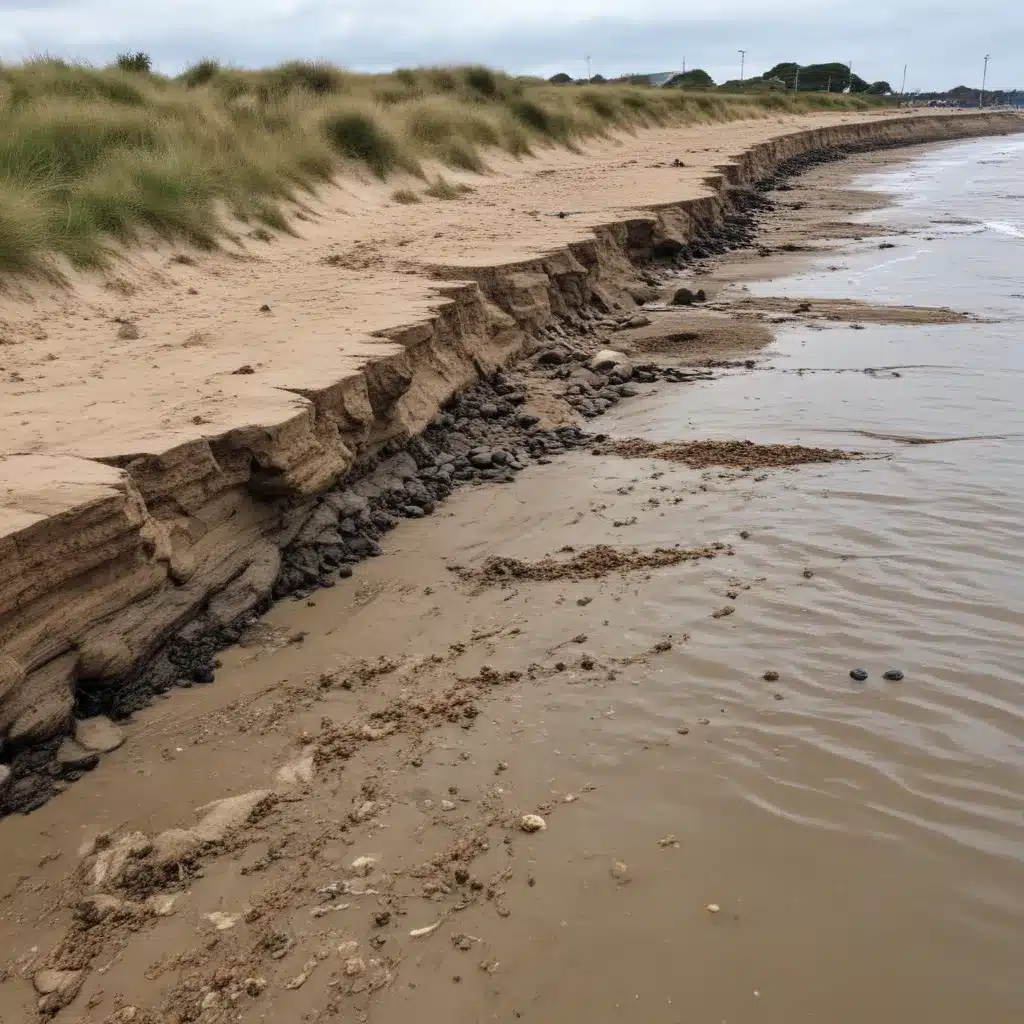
(108, 564)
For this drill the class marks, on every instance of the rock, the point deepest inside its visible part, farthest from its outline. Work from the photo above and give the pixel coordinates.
(481, 460)
(858, 675)
(5, 778)
(685, 297)
(110, 658)
(74, 757)
(894, 675)
(607, 359)
(98, 734)
(447, 805)
(712, 908)
(640, 320)
(254, 986)
(532, 823)
(771, 677)
(12, 675)
(553, 356)
(620, 872)
(527, 419)
(57, 988)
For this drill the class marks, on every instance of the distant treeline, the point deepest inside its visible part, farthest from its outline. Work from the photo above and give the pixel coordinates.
(834, 77)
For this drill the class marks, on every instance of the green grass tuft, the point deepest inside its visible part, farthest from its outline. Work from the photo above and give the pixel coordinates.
(442, 188)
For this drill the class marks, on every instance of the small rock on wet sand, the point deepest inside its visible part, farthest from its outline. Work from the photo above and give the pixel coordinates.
(771, 677)
(98, 735)
(532, 823)
(894, 675)
(858, 675)
(620, 872)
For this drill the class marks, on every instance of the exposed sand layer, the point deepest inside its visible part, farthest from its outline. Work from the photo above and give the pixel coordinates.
(734, 454)
(165, 432)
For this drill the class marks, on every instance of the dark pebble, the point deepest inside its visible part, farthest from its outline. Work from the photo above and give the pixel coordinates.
(859, 675)
(894, 675)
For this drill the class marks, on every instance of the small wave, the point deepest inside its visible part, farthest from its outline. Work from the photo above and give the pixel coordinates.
(910, 439)
(1002, 228)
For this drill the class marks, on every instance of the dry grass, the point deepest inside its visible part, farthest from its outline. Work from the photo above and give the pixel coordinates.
(91, 156)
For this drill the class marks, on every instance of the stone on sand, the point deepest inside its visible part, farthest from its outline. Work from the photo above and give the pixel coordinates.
(57, 988)
(98, 734)
(532, 823)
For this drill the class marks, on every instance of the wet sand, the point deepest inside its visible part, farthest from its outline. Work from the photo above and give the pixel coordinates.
(735, 829)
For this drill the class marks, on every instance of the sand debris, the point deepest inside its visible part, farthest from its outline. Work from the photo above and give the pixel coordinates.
(620, 872)
(669, 840)
(221, 921)
(589, 563)
(362, 867)
(732, 454)
(712, 908)
(418, 933)
(302, 977)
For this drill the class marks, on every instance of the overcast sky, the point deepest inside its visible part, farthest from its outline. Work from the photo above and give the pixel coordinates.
(942, 41)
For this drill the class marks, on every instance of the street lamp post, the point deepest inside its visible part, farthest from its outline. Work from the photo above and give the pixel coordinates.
(984, 76)
(743, 58)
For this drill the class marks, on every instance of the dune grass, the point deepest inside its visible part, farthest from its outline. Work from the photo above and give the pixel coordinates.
(91, 156)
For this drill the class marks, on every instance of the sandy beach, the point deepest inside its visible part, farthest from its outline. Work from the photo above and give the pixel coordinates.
(448, 792)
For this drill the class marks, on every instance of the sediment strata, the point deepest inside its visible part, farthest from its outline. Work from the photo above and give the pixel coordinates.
(124, 574)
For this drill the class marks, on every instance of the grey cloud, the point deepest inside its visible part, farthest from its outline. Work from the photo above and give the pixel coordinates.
(943, 48)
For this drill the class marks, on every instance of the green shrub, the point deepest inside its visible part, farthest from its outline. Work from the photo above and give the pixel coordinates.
(137, 62)
(201, 72)
(357, 136)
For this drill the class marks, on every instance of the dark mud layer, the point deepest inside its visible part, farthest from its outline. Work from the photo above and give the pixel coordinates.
(484, 436)
(732, 454)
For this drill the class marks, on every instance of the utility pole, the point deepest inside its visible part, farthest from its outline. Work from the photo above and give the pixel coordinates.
(849, 80)
(684, 65)
(828, 84)
(588, 67)
(743, 58)
(984, 76)
(903, 84)
(796, 81)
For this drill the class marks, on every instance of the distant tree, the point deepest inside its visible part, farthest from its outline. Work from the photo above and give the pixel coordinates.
(598, 80)
(695, 79)
(560, 79)
(879, 89)
(138, 62)
(833, 77)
